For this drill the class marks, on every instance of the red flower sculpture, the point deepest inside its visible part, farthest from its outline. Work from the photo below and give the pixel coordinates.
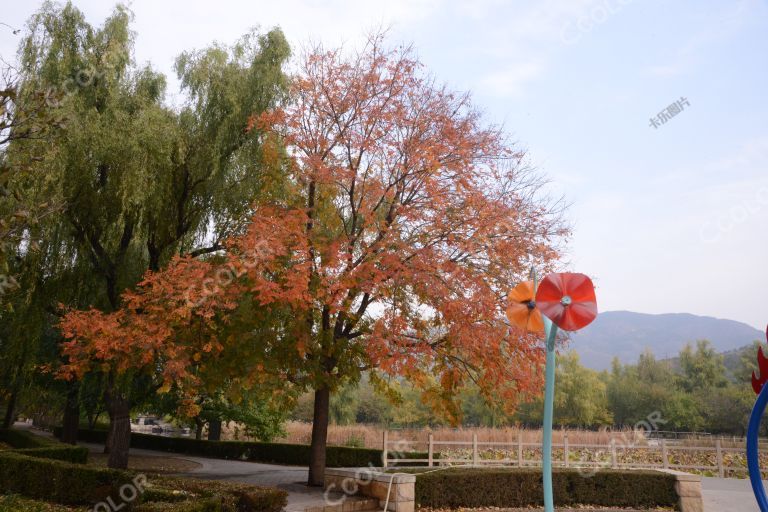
(568, 299)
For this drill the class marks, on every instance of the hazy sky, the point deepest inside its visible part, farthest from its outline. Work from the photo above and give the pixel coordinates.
(666, 219)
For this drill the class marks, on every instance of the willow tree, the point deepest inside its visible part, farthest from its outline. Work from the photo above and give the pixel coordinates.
(140, 181)
(26, 117)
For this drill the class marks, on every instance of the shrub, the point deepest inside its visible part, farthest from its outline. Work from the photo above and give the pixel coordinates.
(57, 481)
(73, 454)
(70, 484)
(27, 443)
(277, 453)
(14, 503)
(514, 487)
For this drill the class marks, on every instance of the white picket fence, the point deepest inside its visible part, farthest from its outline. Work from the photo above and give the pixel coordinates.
(601, 456)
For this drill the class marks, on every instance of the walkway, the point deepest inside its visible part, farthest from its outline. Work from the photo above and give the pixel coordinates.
(728, 495)
(289, 478)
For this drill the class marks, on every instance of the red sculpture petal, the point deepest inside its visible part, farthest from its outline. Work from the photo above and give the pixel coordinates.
(762, 364)
(568, 299)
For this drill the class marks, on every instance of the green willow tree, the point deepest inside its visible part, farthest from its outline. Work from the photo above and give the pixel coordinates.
(140, 181)
(26, 117)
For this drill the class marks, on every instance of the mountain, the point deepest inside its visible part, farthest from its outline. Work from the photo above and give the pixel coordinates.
(626, 334)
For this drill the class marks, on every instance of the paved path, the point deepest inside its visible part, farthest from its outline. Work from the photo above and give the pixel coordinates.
(728, 495)
(289, 478)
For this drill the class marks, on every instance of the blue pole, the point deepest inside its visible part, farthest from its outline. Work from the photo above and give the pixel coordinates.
(753, 462)
(550, 331)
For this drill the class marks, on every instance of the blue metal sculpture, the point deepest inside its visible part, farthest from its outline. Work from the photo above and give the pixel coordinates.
(565, 300)
(753, 455)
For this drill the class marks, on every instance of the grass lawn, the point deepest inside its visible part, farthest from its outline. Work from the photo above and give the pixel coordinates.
(148, 463)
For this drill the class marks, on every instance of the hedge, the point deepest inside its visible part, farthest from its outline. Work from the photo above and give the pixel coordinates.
(27, 443)
(71, 484)
(58, 481)
(16, 503)
(277, 453)
(515, 487)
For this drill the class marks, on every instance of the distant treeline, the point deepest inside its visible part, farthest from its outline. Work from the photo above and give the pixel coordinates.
(699, 390)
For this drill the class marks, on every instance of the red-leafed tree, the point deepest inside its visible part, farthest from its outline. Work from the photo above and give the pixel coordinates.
(409, 220)
(181, 332)
(419, 217)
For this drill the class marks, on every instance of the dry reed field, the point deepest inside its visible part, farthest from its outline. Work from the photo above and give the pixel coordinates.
(370, 436)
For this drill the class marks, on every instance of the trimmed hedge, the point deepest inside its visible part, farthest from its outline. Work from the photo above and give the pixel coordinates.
(16, 503)
(277, 453)
(71, 484)
(57, 481)
(514, 487)
(27, 443)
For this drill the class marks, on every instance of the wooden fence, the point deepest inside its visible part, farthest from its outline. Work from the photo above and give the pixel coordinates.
(660, 454)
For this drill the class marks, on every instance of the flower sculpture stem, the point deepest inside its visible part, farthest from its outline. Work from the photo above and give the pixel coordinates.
(550, 330)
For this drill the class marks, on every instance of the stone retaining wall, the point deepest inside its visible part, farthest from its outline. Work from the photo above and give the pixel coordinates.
(375, 484)
(688, 488)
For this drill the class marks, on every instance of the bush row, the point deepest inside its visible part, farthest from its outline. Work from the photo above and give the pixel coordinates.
(514, 487)
(277, 453)
(58, 481)
(70, 484)
(27, 443)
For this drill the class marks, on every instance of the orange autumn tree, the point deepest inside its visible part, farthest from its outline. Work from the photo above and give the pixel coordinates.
(132, 343)
(419, 217)
(183, 335)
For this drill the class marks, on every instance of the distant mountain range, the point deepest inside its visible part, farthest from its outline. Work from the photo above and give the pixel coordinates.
(626, 334)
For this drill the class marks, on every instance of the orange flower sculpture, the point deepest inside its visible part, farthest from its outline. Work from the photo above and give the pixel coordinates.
(568, 299)
(522, 311)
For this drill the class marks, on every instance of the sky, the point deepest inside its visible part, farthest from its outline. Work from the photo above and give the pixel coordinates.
(666, 219)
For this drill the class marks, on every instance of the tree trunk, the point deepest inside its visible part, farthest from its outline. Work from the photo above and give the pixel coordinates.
(199, 424)
(214, 430)
(10, 411)
(71, 420)
(119, 437)
(319, 437)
